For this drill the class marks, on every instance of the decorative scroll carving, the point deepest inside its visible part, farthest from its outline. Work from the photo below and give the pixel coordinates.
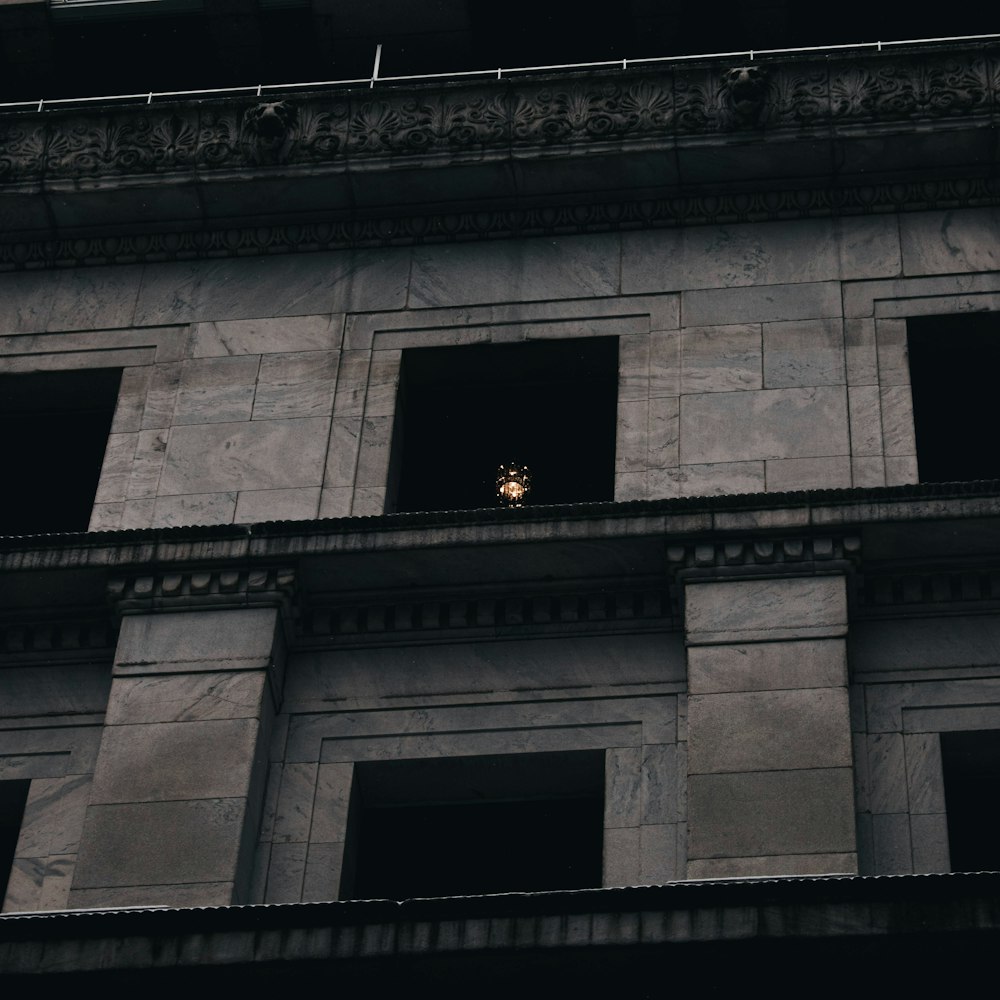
(646, 105)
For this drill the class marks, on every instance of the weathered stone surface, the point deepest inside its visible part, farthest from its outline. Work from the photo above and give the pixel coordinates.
(621, 787)
(186, 697)
(267, 336)
(88, 298)
(770, 813)
(196, 508)
(196, 641)
(332, 803)
(924, 777)
(891, 839)
(869, 246)
(216, 390)
(264, 287)
(296, 385)
(277, 505)
(720, 359)
(294, 811)
(657, 854)
(762, 610)
(714, 479)
(772, 423)
(929, 836)
(621, 856)
(515, 271)
(659, 785)
(886, 773)
(768, 730)
(761, 304)
(784, 475)
(163, 761)
(258, 454)
(949, 242)
(767, 666)
(803, 353)
(160, 843)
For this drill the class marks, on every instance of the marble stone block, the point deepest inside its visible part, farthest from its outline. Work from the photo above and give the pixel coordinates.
(254, 506)
(336, 502)
(259, 454)
(891, 843)
(352, 384)
(924, 777)
(131, 399)
(621, 787)
(632, 486)
(893, 352)
(663, 444)
(897, 421)
(768, 730)
(233, 639)
(53, 816)
(869, 246)
(929, 843)
(725, 256)
(373, 454)
(657, 854)
(949, 242)
(767, 666)
(761, 304)
(332, 803)
(761, 814)
(342, 453)
(789, 474)
(293, 815)
(714, 479)
(147, 464)
(160, 843)
(186, 697)
(267, 336)
(761, 610)
(901, 470)
(659, 785)
(164, 761)
(116, 469)
(621, 856)
(321, 882)
(161, 396)
(89, 298)
(205, 404)
(803, 353)
(296, 385)
(771, 423)
(860, 351)
(886, 773)
(570, 267)
(276, 286)
(720, 359)
(196, 508)
(26, 299)
(633, 367)
(866, 420)
(868, 471)
(665, 363)
(631, 436)
(169, 895)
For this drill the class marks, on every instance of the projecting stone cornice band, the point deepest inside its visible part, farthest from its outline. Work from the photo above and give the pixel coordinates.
(708, 100)
(684, 144)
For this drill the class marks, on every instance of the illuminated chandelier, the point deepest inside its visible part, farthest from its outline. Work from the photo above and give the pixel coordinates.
(513, 484)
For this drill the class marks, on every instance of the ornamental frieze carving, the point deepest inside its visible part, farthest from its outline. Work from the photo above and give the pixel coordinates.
(649, 105)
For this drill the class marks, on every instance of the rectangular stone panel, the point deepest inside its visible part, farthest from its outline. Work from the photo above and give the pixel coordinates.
(803, 353)
(761, 610)
(160, 843)
(770, 423)
(720, 359)
(761, 304)
(186, 697)
(163, 761)
(768, 730)
(259, 454)
(233, 639)
(778, 865)
(767, 666)
(761, 814)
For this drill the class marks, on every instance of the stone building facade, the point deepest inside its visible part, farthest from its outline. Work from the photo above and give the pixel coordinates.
(766, 647)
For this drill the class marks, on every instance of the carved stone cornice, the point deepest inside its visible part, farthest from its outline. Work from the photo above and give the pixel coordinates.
(216, 588)
(685, 100)
(73, 637)
(821, 135)
(928, 589)
(763, 556)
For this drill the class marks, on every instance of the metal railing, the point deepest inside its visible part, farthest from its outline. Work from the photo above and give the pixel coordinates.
(751, 55)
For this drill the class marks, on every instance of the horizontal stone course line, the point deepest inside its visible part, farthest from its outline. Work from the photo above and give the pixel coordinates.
(711, 208)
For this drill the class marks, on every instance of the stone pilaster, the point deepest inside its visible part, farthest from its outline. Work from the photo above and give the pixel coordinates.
(770, 776)
(177, 791)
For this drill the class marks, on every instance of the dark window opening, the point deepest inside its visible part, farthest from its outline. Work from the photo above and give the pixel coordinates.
(954, 362)
(13, 795)
(475, 825)
(971, 765)
(550, 405)
(54, 427)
